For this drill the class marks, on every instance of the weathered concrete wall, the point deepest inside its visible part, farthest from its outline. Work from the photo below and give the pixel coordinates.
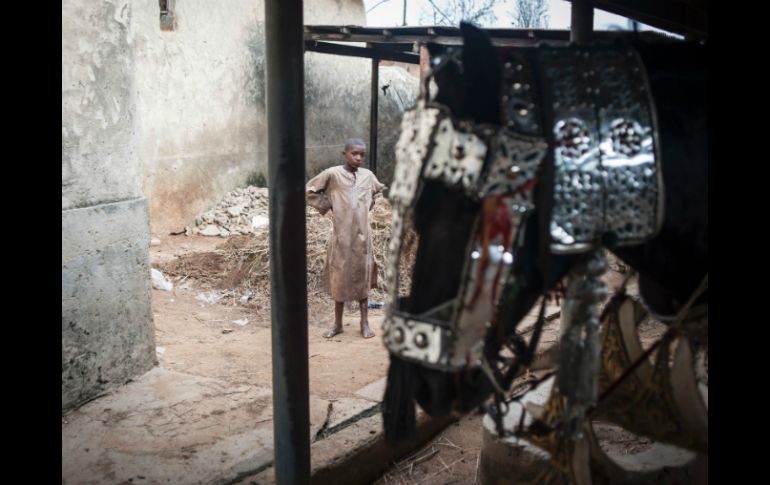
(201, 101)
(400, 95)
(339, 109)
(98, 113)
(200, 94)
(412, 69)
(107, 332)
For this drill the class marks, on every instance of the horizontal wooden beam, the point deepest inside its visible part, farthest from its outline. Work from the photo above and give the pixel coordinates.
(366, 52)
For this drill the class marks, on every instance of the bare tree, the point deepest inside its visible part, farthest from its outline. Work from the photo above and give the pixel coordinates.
(377, 5)
(530, 14)
(451, 12)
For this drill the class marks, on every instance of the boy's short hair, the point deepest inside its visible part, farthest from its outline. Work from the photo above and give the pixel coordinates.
(351, 142)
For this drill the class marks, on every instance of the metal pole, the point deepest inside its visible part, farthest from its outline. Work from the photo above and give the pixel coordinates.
(582, 14)
(373, 115)
(288, 261)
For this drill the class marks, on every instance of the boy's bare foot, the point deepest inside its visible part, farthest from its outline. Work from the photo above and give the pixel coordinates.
(332, 332)
(366, 332)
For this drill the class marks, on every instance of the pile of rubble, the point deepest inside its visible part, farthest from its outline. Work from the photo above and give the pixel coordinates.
(241, 212)
(244, 260)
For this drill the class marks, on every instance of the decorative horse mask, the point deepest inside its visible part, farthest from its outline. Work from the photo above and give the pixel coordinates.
(518, 168)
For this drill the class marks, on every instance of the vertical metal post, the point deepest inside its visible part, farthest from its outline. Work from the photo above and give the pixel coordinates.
(288, 261)
(582, 14)
(373, 115)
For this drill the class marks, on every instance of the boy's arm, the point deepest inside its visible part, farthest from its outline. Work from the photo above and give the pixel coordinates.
(315, 191)
(377, 188)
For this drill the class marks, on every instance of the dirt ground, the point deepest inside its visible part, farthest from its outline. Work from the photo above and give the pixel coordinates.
(450, 458)
(453, 456)
(200, 338)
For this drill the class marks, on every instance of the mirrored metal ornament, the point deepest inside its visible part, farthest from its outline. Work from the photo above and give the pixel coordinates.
(607, 175)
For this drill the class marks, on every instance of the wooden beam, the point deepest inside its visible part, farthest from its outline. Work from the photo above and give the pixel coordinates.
(670, 15)
(367, 52)
(441, 35)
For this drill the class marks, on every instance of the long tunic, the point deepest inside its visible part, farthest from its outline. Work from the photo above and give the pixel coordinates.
(349, 255)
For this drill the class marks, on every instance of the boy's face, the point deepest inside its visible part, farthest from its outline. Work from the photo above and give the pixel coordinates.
(354, 156)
